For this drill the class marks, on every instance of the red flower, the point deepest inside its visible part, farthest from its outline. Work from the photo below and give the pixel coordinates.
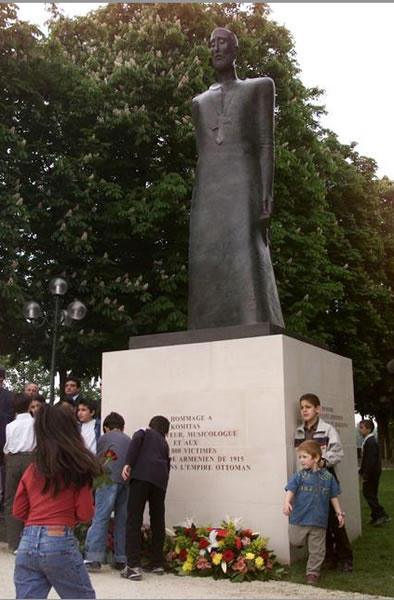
(264, 554)
(247, 533)
(238, 543)
(110, 455)
(183, 555)
(228, 555)
(203, 543)
(222, 532)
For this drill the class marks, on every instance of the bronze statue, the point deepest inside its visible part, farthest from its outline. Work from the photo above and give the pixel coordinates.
(231, 278)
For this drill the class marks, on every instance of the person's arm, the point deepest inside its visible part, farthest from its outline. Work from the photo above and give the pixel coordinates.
(371, 458)
(334, 451)
(265, 121)
(126, 472)
(7, 439)
(288, 505)
(291, 490)
(338, 510)
(133, 452)
(10, 412)
(362, 465)
(135, 447)
(102, 445)
(21, 506)
(84, 505)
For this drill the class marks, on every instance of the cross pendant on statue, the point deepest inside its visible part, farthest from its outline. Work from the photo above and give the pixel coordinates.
(222, 121)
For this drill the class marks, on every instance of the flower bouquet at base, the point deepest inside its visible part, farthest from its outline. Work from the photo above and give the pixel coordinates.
(227, 552)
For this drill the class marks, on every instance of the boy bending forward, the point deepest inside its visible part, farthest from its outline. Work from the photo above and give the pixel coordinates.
(308, 496)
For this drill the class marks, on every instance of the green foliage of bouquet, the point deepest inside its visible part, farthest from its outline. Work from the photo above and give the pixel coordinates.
(228, 552)
(105, 478)
(81, 530)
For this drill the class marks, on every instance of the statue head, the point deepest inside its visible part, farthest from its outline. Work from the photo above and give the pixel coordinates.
(224, 49)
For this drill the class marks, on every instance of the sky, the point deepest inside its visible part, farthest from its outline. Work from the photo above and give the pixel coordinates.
(346, 49)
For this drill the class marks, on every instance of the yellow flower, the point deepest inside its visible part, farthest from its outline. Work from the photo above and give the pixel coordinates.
(187, 566)
(217, 558)
(177, 549)
(249, 556)
(259, 562)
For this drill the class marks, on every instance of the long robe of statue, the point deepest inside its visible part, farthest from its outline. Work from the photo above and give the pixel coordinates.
(231, 278)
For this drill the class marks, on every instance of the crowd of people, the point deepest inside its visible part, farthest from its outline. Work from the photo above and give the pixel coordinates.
(52, 455)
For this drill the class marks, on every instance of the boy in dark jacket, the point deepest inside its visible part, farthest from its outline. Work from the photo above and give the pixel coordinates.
(148, 468)
(370, 470)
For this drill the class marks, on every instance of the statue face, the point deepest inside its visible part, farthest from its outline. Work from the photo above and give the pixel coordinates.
(223, 50)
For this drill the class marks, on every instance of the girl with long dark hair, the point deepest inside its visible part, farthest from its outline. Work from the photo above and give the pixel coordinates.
(54, 494)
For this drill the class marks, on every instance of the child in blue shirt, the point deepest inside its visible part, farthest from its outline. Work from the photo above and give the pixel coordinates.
(308, 496)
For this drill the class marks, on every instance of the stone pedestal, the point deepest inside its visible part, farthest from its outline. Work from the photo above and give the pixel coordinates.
(233, 407)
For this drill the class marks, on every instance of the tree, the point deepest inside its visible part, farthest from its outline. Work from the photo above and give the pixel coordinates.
(102, 155)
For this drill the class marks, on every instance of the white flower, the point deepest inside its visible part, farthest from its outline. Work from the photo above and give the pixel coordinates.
(236, 521)
(212, 540)
(189, 521)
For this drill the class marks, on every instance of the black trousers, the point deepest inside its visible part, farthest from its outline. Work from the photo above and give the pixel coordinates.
(370, 492)
(140, 493)
(16, 464)
(338, 547)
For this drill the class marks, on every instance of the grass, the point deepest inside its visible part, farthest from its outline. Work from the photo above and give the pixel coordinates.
(373, 553)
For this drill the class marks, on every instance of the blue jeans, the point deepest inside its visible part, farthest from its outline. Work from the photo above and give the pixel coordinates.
(48, 556)
(108, 498)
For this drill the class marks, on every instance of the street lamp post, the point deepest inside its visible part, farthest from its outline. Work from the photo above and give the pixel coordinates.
(75, 311)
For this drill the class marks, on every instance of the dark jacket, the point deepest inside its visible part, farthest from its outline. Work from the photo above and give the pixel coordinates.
(7, 415)
(371, 463)
(149, 457)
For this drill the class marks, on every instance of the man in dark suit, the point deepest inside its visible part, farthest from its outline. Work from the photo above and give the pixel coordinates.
(370, 471)
(72, 389)
(6, 416)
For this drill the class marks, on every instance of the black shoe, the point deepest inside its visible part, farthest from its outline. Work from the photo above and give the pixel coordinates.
(156, 570)
(347, 567)
(132, 573)
(118, 566)
(93, 566)
(381, 520)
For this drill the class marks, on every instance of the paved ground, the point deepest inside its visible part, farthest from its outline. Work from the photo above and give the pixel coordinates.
(109, 585)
